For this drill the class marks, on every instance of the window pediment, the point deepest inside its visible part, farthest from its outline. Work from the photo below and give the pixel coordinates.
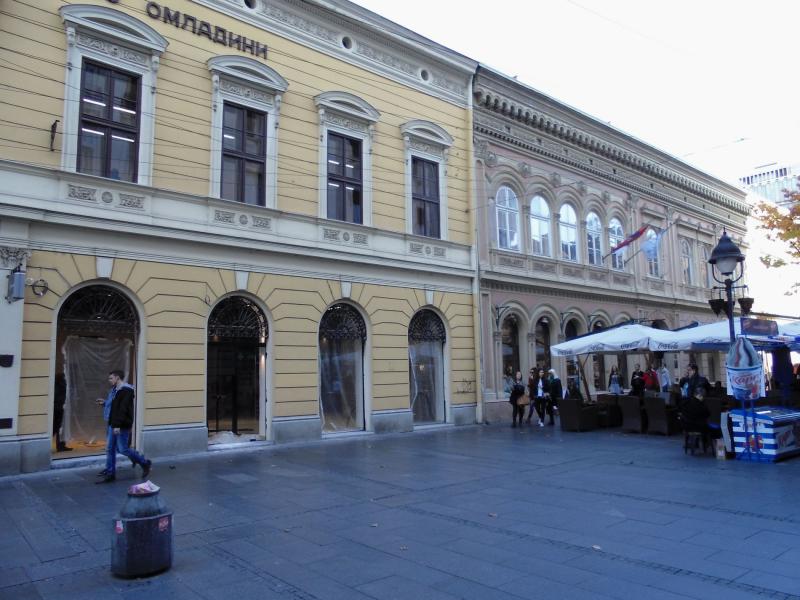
(114, 24)
(249, 71)
(428, 132)
(347, 104)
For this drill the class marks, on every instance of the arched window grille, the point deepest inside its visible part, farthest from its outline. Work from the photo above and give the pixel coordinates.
(237, 317)
(98, 309)
(426, 326)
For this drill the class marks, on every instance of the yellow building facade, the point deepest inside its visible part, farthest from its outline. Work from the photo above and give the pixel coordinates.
(261, 212)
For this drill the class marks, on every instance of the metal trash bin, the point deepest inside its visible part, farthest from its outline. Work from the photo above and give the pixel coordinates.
(142, 534)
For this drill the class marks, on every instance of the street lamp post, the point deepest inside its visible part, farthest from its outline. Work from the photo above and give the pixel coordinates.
(725, 257)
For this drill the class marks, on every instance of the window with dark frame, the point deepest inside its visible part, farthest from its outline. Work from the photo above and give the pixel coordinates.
(425, 197)
(108, 141)
(244, 150)
(345, 180)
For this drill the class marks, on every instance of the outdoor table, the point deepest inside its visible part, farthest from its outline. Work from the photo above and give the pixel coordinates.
(776, 435)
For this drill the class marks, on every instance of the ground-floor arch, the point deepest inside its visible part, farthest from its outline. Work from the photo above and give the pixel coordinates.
(97, 332)
(426, 342)
(236, 369)
(342, 339)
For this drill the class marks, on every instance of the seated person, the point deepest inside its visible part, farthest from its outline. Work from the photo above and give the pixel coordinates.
(574, 392)
(694, 415)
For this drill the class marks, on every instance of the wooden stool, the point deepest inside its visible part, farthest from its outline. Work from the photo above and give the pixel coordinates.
(693, 439)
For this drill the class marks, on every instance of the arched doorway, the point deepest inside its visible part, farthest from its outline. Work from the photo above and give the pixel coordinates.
(342, 336)
(237, 338)
(509, 336)
(97, 332)
(426, 339)
(542, 335)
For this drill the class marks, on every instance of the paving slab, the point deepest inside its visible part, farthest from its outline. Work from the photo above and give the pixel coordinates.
(483, 512)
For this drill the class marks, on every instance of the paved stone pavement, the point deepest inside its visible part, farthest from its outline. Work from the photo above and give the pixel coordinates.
(484, 512)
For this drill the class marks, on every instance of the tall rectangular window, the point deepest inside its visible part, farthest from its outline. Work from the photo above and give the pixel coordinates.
(244, 151)
(108, 140)
(425, 196)
(344, 179)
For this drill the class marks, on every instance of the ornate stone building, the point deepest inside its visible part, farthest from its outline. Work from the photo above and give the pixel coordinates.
(256, 209)
(555, 190)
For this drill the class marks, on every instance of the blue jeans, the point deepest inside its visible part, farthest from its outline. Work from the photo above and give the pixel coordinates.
(120, 442)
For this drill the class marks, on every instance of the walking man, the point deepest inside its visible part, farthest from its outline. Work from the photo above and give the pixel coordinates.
(118, 413)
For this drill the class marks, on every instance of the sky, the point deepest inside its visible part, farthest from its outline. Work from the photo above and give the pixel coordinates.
(715, 83)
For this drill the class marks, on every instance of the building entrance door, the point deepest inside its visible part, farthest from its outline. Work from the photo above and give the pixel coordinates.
(233, 387)
(235, 370)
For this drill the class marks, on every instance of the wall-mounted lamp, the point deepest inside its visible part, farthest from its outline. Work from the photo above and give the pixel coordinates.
(16, 285)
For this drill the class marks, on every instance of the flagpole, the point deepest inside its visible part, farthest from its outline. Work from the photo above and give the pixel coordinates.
(640, 246)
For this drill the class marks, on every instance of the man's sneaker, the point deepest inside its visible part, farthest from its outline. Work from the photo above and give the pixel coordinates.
(102, 473)
(107, 479)
(540, 423)
(146, 469)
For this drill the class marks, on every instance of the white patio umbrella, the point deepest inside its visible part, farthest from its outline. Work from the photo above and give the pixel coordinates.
(626, 338)
(716, 336)
(693, 338)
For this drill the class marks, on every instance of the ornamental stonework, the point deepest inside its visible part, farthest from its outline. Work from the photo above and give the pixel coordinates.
(79, 192)
(297, 22)
(345, 122)
(131, 201)
(224, 216)
(385, 58)
(112, 50)
(244, 91)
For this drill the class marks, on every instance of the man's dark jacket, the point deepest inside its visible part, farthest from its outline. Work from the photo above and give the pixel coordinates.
(122, 408)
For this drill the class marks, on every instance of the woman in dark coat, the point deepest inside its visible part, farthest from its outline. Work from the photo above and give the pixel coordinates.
(517, 391)
(556, 393)
(538, 389)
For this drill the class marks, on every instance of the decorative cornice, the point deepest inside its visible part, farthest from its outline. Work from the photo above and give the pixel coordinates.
(358, 36)
(552, 152)
(588, 293)
(538, 121)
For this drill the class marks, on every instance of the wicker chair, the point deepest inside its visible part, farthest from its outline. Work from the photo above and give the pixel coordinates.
(634, 419)
(660, 418)
(575, 416)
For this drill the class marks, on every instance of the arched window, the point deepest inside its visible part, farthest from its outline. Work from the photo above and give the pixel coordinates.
(594, 235)
(342, 334)
(616, 236)
(568, 232)
(687, 260)
(540, 226)
(507, 219)
(426, 338)
(706, 268)
(651, 252)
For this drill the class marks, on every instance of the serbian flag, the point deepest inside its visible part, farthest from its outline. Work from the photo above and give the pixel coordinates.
(628, 240)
